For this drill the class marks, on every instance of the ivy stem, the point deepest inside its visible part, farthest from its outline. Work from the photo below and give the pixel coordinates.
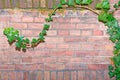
(88, 8)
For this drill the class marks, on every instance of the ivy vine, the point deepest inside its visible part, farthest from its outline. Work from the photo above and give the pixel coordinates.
(105, 15)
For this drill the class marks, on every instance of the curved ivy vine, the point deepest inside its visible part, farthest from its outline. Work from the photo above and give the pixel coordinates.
(105, 15)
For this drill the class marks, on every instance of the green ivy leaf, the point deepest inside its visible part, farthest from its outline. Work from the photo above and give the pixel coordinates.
(46, 27)
(119, 3)
(86, 2)
(44, 32)
(111, 74)
(11, 39)
(34, 40)
(41, 37)
(78, 2)
(59, 6)
(99, 6)
(106, 4)
(63, 2)
(18, 45)
(48, 19)
(70, 2)
(27, 41)
(23, 46)
(116, 6)
(110, 67)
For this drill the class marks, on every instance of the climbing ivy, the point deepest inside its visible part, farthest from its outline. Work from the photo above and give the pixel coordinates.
(105, 15)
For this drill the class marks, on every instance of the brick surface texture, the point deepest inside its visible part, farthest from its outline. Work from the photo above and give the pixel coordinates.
(77, 46)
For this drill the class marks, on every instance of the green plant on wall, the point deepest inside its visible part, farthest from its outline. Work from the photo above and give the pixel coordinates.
(105, 15)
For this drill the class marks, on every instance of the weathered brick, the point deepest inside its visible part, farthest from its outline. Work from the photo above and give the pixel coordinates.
(63, 32)
(60, 77)
(97, 66)
(26, 76)
(35, 26)
(19, 75)
(86, 32)
(12, 76)
(40, 76)
(39, 19)
(50, 66)
(36, 4)
(97, 33)
(27, 19)
(19, 25)
(27, 60)
(67, 75)
(75, 32)
(46, 75)
(87, 26)
(81, 75)
(32, 76)
(54, 76)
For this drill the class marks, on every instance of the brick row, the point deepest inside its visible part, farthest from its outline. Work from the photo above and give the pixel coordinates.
(54, 75)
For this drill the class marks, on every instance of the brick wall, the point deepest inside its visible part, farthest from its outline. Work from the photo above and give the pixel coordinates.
(76, 48)
(26, 4)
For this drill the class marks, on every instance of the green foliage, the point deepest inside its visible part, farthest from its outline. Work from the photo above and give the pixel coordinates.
(104, 16)
(86, 2)
(117, 5)
(78, 2)
(104, 5)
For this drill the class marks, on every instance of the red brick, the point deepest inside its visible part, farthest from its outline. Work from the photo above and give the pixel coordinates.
(81, 75)
(29, 67)
(63, 46)
(50, 46)
(64, 26)
(46, 75)
(61, 19)
(67, 75)
(74, 75)
(98, 39)
(97, 33)
(36, 3)
(5, 76)
(40, 75)
(75, 39)
(4, 18)
(50, 60)
(60, 77)
(25, 77)
(97, 66)
(86, 33)
(60, 66)
(27, 60)
(93, 75)
(39, 19)
(50, 66)
(7, 67)
(87, 26)
(32, 75)
(53, 76)
(37, 26)
(38, 60)
(15, 19)
(75, 33)
(19, 75)
(83, 53)
(54, 40)
(63, 32)
(52, 33)
(19, 25)
(12, 76)
(27, 19)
